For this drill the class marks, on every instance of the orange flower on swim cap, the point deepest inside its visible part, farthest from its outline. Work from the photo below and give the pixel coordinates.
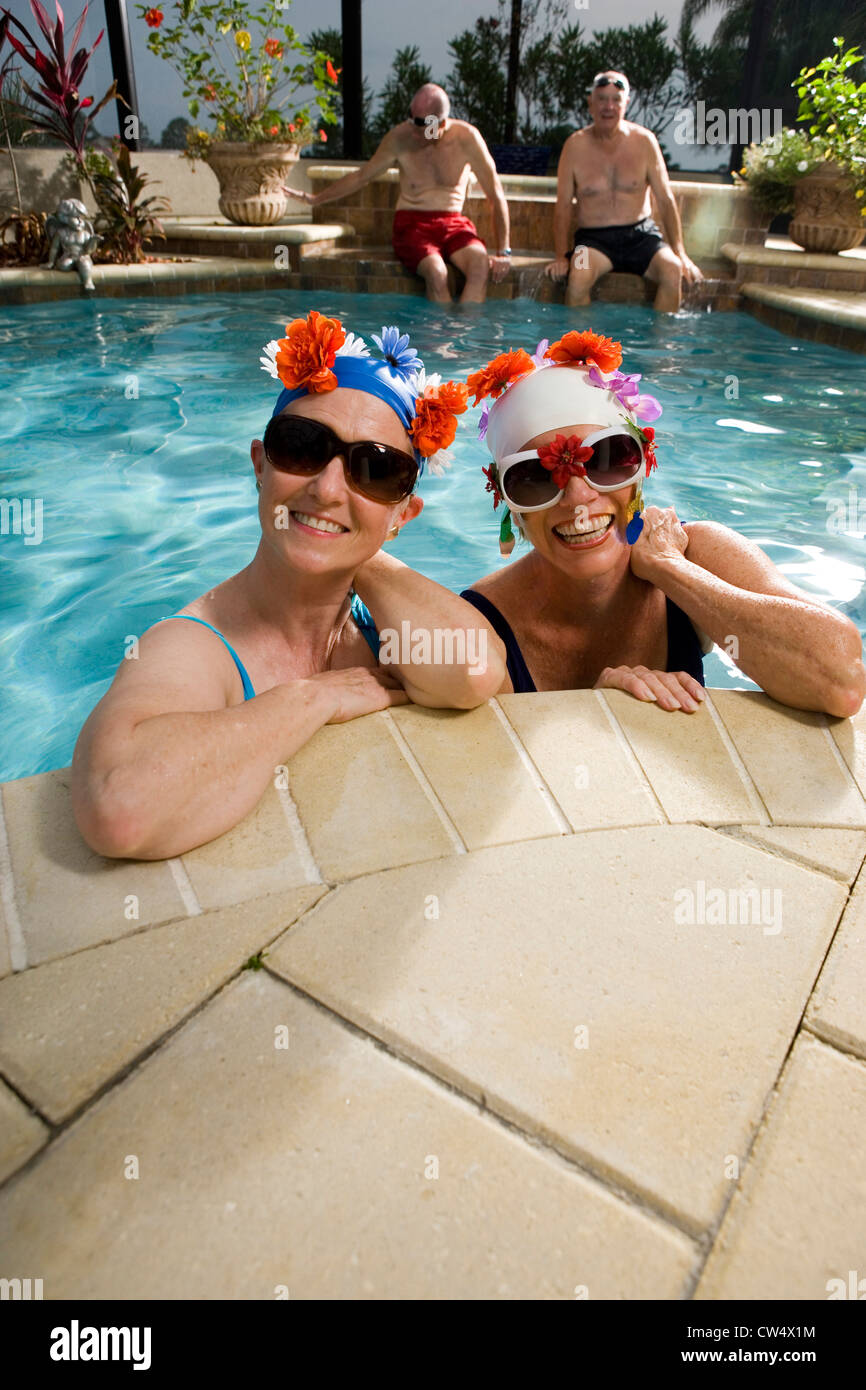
(587, 347)
(306, 355)
(435, 423)
(493, 379)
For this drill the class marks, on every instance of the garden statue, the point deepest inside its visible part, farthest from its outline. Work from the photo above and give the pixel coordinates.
(72, 239)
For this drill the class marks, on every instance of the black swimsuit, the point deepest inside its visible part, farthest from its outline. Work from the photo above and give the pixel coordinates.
(684, 648)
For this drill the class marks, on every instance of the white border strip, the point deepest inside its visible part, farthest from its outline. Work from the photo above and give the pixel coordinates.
(299, 835)
(560, 820)
(427, 788)
(15, 933)
(756, 801)
(184, 887)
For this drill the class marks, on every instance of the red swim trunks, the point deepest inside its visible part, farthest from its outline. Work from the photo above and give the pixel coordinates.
(419, 234)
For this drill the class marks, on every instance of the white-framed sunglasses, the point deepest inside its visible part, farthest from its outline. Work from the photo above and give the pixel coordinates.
(527, 486)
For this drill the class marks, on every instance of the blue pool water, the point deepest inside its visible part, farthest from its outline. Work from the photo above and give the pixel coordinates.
(131, 420)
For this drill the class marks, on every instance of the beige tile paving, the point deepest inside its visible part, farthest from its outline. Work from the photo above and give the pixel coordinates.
(495, 806)
(583, 760)
(5, 957)
(310, 1167)
(792, 761)
(836, 852)
(67, 896)
(360, 803)
(260, 855)
(686, 761)
(799, 1220)
(687, 1024)
(838, 1007)
(68, 1027)
(849, 736)
(21, 1134)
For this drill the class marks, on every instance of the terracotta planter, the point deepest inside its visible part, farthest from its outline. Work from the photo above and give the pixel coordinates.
(826, 213)
(250, 178)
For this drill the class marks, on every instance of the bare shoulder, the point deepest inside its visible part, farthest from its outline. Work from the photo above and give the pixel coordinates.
(176, 665)
(500, 585)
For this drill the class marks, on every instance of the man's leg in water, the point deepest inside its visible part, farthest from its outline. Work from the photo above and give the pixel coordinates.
(587, 266)
(666, 272)
(435, 275)
(474, 261)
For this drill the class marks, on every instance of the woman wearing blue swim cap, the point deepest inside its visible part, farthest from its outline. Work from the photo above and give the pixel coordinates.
(616, 596)
(185, 741)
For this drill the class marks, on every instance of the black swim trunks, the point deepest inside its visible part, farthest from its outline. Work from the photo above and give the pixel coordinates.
(629, 248)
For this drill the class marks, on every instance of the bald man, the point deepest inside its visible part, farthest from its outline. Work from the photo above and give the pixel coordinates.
(435, 156)
(611, 167)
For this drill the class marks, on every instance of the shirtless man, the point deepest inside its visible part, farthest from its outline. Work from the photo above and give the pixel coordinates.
(435, 155)
(610, 167)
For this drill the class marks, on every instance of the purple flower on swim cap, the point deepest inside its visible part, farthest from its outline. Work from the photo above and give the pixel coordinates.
(538, 356)
(395, 348)
(624, 386)
(482, 423)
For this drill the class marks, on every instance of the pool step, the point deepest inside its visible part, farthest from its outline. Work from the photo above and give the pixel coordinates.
(836, 318)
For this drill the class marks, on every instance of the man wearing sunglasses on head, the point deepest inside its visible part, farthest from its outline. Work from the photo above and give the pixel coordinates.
(611, 167)
(435, 156)
(185, 742)
(614, 595)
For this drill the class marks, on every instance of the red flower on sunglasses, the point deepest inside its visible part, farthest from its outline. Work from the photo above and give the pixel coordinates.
(648, 435)
(499, 373)
(306, 355)
(565, 458)
(492, 485)
(587, 348)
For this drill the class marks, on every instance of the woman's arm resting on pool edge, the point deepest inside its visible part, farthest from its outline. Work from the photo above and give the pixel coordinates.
(797, 649)
(165, 762)
(446, 625)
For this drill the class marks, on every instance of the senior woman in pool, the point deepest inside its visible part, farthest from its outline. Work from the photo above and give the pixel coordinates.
(612, 598)
(187, 738)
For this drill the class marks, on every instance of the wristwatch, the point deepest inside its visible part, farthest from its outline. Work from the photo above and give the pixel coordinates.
(506, 251)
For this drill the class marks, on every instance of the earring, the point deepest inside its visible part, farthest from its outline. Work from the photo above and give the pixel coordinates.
(259, 484)
(395, 531)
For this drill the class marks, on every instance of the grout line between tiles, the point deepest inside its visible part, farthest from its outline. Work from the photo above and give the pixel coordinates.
(630, 755)
(843, 766)
(816, 1031)
(545, 1143)
(756, 801)
(184, 886)
(560, 819)
(299, 835)
(17, 944)
(426, 786)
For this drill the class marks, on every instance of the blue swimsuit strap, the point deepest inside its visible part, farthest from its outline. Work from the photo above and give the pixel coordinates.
(360, 613)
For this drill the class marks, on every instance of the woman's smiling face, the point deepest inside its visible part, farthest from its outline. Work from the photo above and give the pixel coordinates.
(583, 534)
(318, 522)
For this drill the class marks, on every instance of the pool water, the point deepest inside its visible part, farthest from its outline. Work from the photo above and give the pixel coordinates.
(131, 421)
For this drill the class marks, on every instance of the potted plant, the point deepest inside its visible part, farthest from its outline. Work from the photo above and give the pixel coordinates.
(830, 198)
(773, 168)
(246, 67)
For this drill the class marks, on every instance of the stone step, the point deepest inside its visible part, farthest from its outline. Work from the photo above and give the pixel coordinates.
(782, 262)
(836, 318)
(218, 237)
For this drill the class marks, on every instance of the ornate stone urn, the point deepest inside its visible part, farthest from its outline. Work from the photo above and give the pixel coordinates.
(826, 213)
(250, 178)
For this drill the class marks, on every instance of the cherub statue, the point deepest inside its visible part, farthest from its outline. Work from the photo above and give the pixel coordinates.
(72, 240)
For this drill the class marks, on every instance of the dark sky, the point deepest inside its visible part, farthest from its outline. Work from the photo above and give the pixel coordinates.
(387, 25)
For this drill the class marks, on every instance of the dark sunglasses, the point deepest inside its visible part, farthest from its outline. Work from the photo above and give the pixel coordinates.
(610, 82)
(422, 121)
(527, 486)
(294, 444)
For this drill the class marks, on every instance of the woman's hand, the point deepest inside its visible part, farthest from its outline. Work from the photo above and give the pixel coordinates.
(361, 690)
(668, 689)
(662, 538)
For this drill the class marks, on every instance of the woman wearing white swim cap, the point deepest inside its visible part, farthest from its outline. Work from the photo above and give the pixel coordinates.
(616, 596)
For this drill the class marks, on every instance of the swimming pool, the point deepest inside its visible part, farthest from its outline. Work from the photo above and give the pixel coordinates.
(130, 421)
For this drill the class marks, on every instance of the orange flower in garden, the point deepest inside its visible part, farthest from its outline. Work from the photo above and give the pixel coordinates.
(322, 135)
(332, 72)
(210, 92)
(291, 128)
(153, 18)
(587, 347)
(306, 355)
(273, 48)
(435, 423)
(493, 379)
(273, 129)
